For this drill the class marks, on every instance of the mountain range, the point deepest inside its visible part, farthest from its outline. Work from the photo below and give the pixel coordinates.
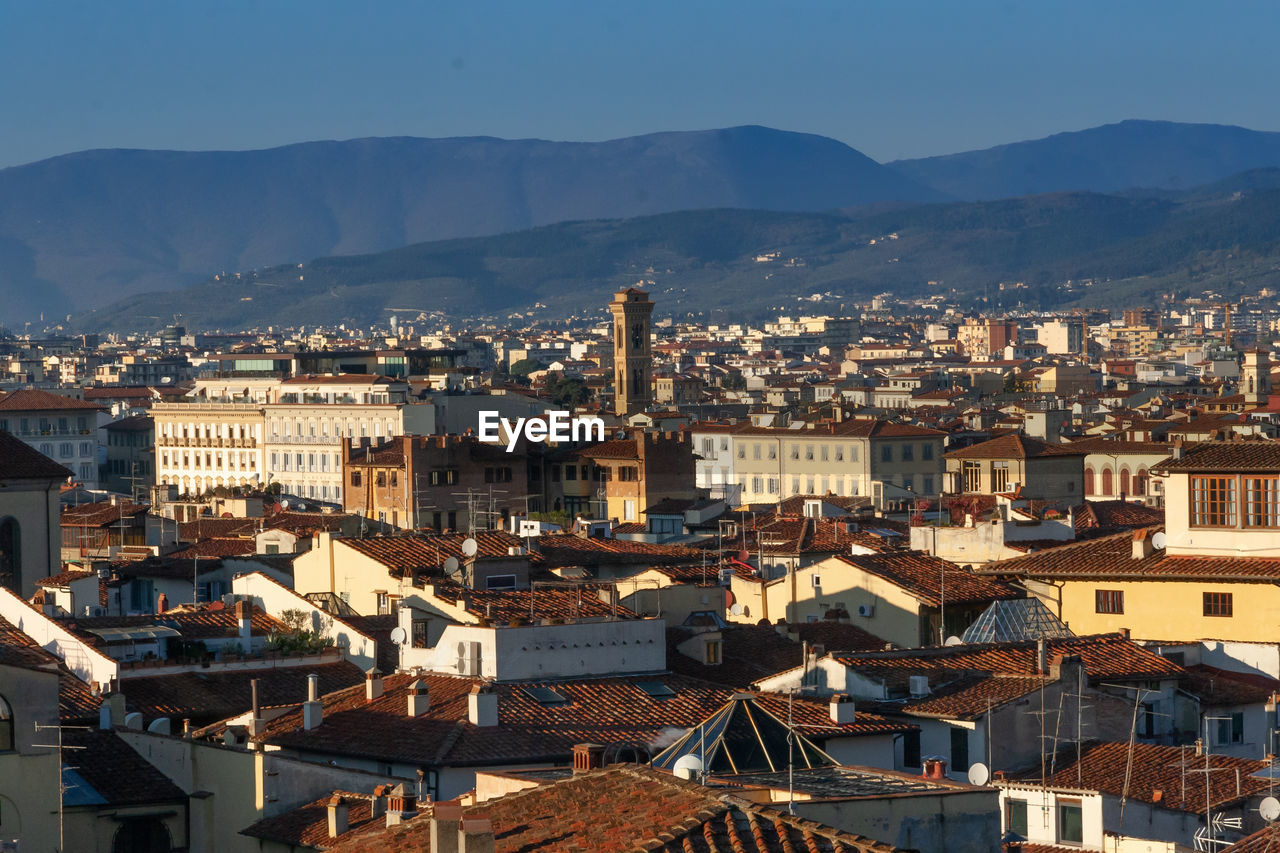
(97, 228)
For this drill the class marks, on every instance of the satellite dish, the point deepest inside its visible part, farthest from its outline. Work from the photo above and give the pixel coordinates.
(1269, 808)
(736, 610)
(469, 547)
(450, 565)
(284, 504)
(1158, 540)
(399, 635)
(953, 640)
(979, 774)
(687, 766)
(744, 556)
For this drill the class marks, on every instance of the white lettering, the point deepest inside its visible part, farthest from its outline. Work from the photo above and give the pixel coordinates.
(592, 429)
(536, 430)
(488, 431)
(513, 433)
(559, 426)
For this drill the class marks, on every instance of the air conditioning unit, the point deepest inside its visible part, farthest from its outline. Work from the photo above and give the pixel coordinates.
(726, 577)
(867, 610)
(817, 580)
(469, 659)
(918, 685)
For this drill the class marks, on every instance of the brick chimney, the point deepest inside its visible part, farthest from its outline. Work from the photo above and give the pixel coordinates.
(587, 756)
(842, 709)
(378, 805)
(475, 835)
(312, 714)
(372, 684)
(402, 805)
(482, 706)
(338, 816)
(244, 624)
(445, 821)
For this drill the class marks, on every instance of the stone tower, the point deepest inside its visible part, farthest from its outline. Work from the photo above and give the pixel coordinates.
(632, 361)
(1255, 377)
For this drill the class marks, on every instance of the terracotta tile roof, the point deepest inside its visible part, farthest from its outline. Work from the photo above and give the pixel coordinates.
(601, 710)
(749, 653)
(207, 695)
(1111, 557)
(216, 547)
(1115, 515)
(207, 527)
(114, 770)
(308, 825)
(620, 448)
(581, 602)
(626, 808)
(408, 556)
(1221, 687)
(62, 579)
(207, 623)
(1105, 656)
(1242, 456)
(1014, 446)
(568, 549)
(100, 514)
(133, 423)
(1265, 840)
(922, 576)
(1122, 446)
(794, 505)
(1103, 766)
(18, 649)
(967, 698)
(20, 461)
(35, 400)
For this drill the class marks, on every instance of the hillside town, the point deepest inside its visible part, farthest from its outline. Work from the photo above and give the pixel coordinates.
(898, 577)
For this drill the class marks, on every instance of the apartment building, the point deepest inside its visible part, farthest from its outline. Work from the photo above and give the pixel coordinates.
(643, 469)
(848, 458)
(986, 338)
(62, 428)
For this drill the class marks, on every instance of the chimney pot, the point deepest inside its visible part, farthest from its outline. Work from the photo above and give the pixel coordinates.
(419, 698)
(587, 756)
(475, 835)
(842, 709)
(372, 684)
(445, 821)
(338, 816)
(482, 706)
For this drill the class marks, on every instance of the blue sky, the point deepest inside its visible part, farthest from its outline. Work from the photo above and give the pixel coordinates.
(892, 79)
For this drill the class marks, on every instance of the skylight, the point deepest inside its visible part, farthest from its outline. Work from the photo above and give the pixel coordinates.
(656, 689)
(544, 695)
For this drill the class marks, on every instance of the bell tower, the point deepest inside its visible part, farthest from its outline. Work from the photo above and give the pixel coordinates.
(632, 361)
(1255, 377)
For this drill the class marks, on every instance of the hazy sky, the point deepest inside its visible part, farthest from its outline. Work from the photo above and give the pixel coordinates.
(893, 79)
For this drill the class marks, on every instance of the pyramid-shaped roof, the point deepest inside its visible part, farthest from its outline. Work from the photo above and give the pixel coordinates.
(742, 737)
(1015, 619)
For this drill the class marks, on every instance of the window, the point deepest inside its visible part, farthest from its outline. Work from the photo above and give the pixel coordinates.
(1070, 822)
(1108, 601)
(927, 488)
(1088, 481)
(6, 726)
(825, 453)
(886, 453)
(999, 477)
(911, 749)
(742, 451)
(1230, 730)
(712, 652)
(817, 581)
(972, 476)
(1107, 485)
(500, 582)
(926, 452)
(959, 750)
(628, 510)
(1016, 817)
(272, 548)
(1213, 502)
(1217, 604)
(571, 472)
(808, 451)
(908, 452)
(755, 451)
(355, 479)
(66, 450)
(1261, 509)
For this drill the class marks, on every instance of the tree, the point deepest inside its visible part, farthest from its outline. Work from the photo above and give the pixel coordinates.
(524, 367)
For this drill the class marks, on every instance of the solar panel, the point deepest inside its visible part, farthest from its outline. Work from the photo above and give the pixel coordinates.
(656, 689)
(544, 695)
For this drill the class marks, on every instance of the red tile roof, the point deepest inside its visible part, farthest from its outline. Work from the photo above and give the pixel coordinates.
(100, 514)
(1244, 456)
(1104, 766)
(1265, 840)
(600, 710)
(626, 808)
(1115, 515)
(1221, 687)
(20, 461)
(928, 578)
(568, 549)
(408, 556)
(35, 400)
(749, 653)
(581, 602)
(308, 826)
(1111, 557)
(115, 770)
(1014, 446)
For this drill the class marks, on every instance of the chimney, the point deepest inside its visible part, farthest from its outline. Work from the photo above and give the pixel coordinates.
(186, 728)
(419, 698)
(311, 709)
(482, 706)
(372, 684)
(1142, 547)
(255, 721)
(842, 709)
(244, 621)
(378, 803)
(402, 805)
(445, 821)
(1042, 656)
(587, 756)
(475, 835)
(162, 603)
(338, 813)
(116, 702)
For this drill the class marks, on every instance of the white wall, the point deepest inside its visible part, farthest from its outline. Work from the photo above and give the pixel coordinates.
(274, 598)
(85, 662)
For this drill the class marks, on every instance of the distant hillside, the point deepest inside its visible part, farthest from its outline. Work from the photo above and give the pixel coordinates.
(705, 262)
(82, 230)
(1153, 154)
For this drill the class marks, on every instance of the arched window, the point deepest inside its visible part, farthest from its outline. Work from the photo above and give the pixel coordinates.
(10, 554)
(1140, 482)
(6, 726)
(1107, 482)
(1088, 481)
(142, 835)
(1124, 481)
